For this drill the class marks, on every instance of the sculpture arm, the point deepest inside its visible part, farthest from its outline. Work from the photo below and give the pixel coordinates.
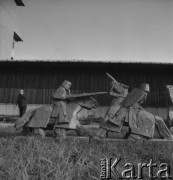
(59, 94)
(116, 94)
(118, 90)
(84, 105)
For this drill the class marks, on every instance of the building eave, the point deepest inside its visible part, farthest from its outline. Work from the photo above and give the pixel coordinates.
(88, 61)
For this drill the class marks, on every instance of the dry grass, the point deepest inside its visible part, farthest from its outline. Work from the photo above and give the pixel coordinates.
(34, 158)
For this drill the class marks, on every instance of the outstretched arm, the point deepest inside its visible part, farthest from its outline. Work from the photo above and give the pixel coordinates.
(118, 90)
(116, 94)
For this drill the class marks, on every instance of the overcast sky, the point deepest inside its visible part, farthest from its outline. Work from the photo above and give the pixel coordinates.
(115, 30)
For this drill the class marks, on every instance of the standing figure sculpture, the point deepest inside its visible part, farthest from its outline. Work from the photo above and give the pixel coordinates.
(59, 106)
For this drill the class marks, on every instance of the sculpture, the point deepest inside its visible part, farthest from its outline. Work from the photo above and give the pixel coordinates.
(125, 110)
(77, 107)
(142, 123)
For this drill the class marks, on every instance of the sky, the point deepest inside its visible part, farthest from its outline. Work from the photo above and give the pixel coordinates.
(96, 30)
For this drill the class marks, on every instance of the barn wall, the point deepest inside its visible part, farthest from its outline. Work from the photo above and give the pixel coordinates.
(40, 79)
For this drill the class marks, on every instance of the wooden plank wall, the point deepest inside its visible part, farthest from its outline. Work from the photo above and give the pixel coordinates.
(39, 80)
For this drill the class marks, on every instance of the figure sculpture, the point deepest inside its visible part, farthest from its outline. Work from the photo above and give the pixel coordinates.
(125, 110)
(128, 109)
(65, 113)
(59, 106)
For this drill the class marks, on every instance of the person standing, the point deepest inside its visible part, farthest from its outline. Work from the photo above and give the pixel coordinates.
(21, 103)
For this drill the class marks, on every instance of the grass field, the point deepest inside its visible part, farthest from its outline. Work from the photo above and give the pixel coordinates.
(71, 159)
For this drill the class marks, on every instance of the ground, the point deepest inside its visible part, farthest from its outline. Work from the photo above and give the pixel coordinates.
(74, 158)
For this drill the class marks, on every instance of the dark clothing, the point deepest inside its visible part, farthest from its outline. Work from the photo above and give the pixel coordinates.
(22, 104)
(22, 110)
(21, 101)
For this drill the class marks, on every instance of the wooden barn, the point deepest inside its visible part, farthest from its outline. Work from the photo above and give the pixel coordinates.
(40, 78)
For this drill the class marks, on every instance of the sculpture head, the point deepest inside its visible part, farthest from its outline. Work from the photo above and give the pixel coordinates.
(145, 87)
(66, 84)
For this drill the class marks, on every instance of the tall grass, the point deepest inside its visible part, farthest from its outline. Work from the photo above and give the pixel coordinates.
(25, 158)
(35, 158)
